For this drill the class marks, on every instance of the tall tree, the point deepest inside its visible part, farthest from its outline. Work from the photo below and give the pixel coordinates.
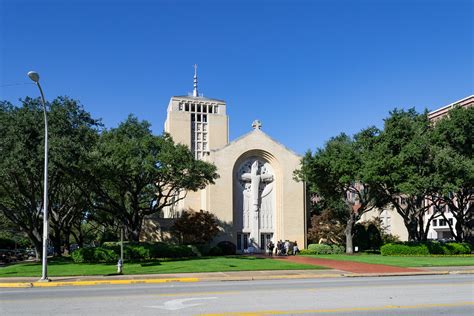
(71, 134)
(400, 169)
(334, 174)
(138, 174)
(453, 138)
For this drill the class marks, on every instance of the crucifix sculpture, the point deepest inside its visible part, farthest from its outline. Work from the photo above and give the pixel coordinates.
(255, 180)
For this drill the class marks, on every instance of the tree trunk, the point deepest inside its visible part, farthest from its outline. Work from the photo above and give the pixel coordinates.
(348, 231)
(57, 242)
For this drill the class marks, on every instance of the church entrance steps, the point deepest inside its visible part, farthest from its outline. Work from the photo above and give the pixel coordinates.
(350, 266)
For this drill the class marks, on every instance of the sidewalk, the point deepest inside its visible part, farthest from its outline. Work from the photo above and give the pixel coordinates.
(349, 266)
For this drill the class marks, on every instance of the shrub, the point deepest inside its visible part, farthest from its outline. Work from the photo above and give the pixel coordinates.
(361, 237)
(146, 251)
(216, 251)
(337, 249)
(425, 249)
(322, 249)
(228, 248)
(195, 227)
(454, 248)
(97, 254)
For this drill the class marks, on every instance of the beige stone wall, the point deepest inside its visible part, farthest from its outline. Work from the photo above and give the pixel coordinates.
(397, 227)
(290, 203)
(218, 131)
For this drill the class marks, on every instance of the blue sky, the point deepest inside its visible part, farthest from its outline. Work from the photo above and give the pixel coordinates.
(307, 69)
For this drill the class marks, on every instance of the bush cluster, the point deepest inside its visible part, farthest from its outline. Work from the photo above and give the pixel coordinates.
(322, 249)
(425, 249)
(93, 255)
(131, 252)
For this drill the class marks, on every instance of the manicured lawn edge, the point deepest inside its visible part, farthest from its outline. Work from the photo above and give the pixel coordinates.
(404, 261)
(192, 265)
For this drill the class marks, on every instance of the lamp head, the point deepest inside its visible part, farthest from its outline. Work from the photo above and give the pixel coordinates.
(34, 76)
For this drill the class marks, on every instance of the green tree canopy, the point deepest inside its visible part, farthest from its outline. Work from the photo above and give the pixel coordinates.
(137, 174)
(72, 133)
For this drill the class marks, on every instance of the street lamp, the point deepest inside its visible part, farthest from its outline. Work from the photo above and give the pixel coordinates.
(44, 276)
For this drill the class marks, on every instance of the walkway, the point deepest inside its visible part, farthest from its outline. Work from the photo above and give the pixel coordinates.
(349, 266)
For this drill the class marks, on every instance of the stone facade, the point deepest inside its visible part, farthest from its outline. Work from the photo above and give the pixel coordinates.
(255, 197)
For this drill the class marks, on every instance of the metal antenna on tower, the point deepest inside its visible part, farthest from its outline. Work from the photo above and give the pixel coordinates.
(195, 90)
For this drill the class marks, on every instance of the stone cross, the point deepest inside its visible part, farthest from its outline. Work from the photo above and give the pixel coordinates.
(255, 179)
(257, 124)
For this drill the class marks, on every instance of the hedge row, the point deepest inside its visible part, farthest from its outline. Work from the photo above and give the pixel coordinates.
(322, 249)
(93, 255)
(110, 251)
(425, 249)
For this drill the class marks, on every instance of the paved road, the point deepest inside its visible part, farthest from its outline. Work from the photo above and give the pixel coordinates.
(414, 295)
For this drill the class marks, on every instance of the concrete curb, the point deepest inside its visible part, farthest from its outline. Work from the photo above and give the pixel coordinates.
(222, 279)
(96, 282)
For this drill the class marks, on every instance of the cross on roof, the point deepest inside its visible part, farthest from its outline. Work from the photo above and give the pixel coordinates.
(257, 124)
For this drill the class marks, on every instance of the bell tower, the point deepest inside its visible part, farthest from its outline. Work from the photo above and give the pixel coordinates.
(198, 122)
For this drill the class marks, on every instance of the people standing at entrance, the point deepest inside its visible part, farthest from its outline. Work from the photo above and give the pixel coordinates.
(287, 248)
(295, 248)
(270, 247)
(279, 248)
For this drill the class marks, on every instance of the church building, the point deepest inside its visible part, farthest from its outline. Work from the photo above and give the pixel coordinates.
(255, 197)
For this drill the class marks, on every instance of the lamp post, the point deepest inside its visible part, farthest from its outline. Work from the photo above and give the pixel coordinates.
(44, 276)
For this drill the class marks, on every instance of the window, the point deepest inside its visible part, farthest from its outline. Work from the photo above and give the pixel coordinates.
(198, 146)
(204, 118)
(198, 127)
(204, 128)
(199, 117)
(180, 107)
(187, 107)
(450, 221)
(216, 109)
(192, 108)
(442, 222)
(204, 137)
(435, 222)
(193, 117)
(204, 146)
(204, 108)
(198, 136)
(199, 108)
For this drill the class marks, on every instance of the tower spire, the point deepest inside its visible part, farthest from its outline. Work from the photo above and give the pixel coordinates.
(195, 90)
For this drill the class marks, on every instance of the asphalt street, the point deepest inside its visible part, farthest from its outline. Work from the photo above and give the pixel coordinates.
(407, 295)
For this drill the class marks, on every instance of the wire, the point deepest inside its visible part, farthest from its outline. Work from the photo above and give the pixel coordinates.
(15, 84)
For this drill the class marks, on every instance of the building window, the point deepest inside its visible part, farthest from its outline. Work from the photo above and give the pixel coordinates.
(180, 107)
(204, 128)
(216, 109)
(435, 222)
(193, 109)
(193, 117)
(450, 221)
(199, 108)
(204, 118)
(204, 137)
(198, 136)
(198, 127)
(186, 107)
(204, 146)
(204, 108)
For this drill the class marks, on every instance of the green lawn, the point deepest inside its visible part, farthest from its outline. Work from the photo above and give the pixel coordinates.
(405, 261)
(65, 267)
